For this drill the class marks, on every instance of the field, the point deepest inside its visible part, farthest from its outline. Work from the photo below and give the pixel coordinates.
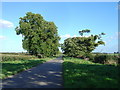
(15, 63)
(79, 73)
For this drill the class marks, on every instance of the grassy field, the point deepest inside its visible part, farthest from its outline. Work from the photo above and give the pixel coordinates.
(13, 64)
(80, 73)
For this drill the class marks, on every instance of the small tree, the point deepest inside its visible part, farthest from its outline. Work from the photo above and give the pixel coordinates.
(40, 37)
(81, 46)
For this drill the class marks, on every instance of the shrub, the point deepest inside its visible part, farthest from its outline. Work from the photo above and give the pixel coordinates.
(100, 58)
(105, 59)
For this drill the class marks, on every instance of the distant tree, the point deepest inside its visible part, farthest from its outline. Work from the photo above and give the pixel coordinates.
(84, 31)
(81, 46)
(40, 37)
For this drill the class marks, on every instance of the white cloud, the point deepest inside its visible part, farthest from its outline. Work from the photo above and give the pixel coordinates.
(85, 36)
(6, 24)
(114, 36)
(61, 42)
(74, 35)
(65, 36)
(68, 36)
(111, 37)
(2, 37)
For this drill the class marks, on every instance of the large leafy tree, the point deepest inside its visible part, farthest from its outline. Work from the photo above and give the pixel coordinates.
(40, 37)
(81, 46)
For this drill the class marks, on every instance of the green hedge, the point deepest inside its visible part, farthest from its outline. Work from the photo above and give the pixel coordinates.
(5, 58)
(106, 59)
(8, 58)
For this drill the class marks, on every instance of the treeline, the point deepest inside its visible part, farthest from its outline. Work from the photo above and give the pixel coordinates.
(40, 38)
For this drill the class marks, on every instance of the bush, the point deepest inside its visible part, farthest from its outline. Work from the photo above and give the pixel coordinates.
(100, 59)
(105, 59)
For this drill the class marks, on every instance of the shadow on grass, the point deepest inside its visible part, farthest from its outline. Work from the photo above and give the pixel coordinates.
(14, 68)
(90, 75)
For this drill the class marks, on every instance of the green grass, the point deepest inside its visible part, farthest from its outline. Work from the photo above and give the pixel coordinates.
(12, 65)
(79, 73)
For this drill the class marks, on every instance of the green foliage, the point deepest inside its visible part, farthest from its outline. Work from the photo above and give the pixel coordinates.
(15, 58)
(90, 56)
(106, 59)
(79, 46)
(84, 31)
(100, 59)
(39, 36)
(79, 73)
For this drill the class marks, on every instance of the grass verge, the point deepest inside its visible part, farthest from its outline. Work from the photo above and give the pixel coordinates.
(10, 68)
(80, 73)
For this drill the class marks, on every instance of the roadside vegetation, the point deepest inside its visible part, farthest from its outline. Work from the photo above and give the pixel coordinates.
(111, 59)
(15, 63)
(79, 73)
(84, 69)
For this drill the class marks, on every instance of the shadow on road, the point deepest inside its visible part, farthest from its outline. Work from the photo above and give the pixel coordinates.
(46, 75)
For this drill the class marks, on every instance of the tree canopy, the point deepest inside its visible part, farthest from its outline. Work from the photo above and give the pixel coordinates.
(81, 46)
(40, 37)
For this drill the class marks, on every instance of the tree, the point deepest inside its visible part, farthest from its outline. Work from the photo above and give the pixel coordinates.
(40, 37)
(81, 46)
(84, 31)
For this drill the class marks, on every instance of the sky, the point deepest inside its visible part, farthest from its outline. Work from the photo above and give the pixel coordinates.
(60, 0)
(69, 17)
